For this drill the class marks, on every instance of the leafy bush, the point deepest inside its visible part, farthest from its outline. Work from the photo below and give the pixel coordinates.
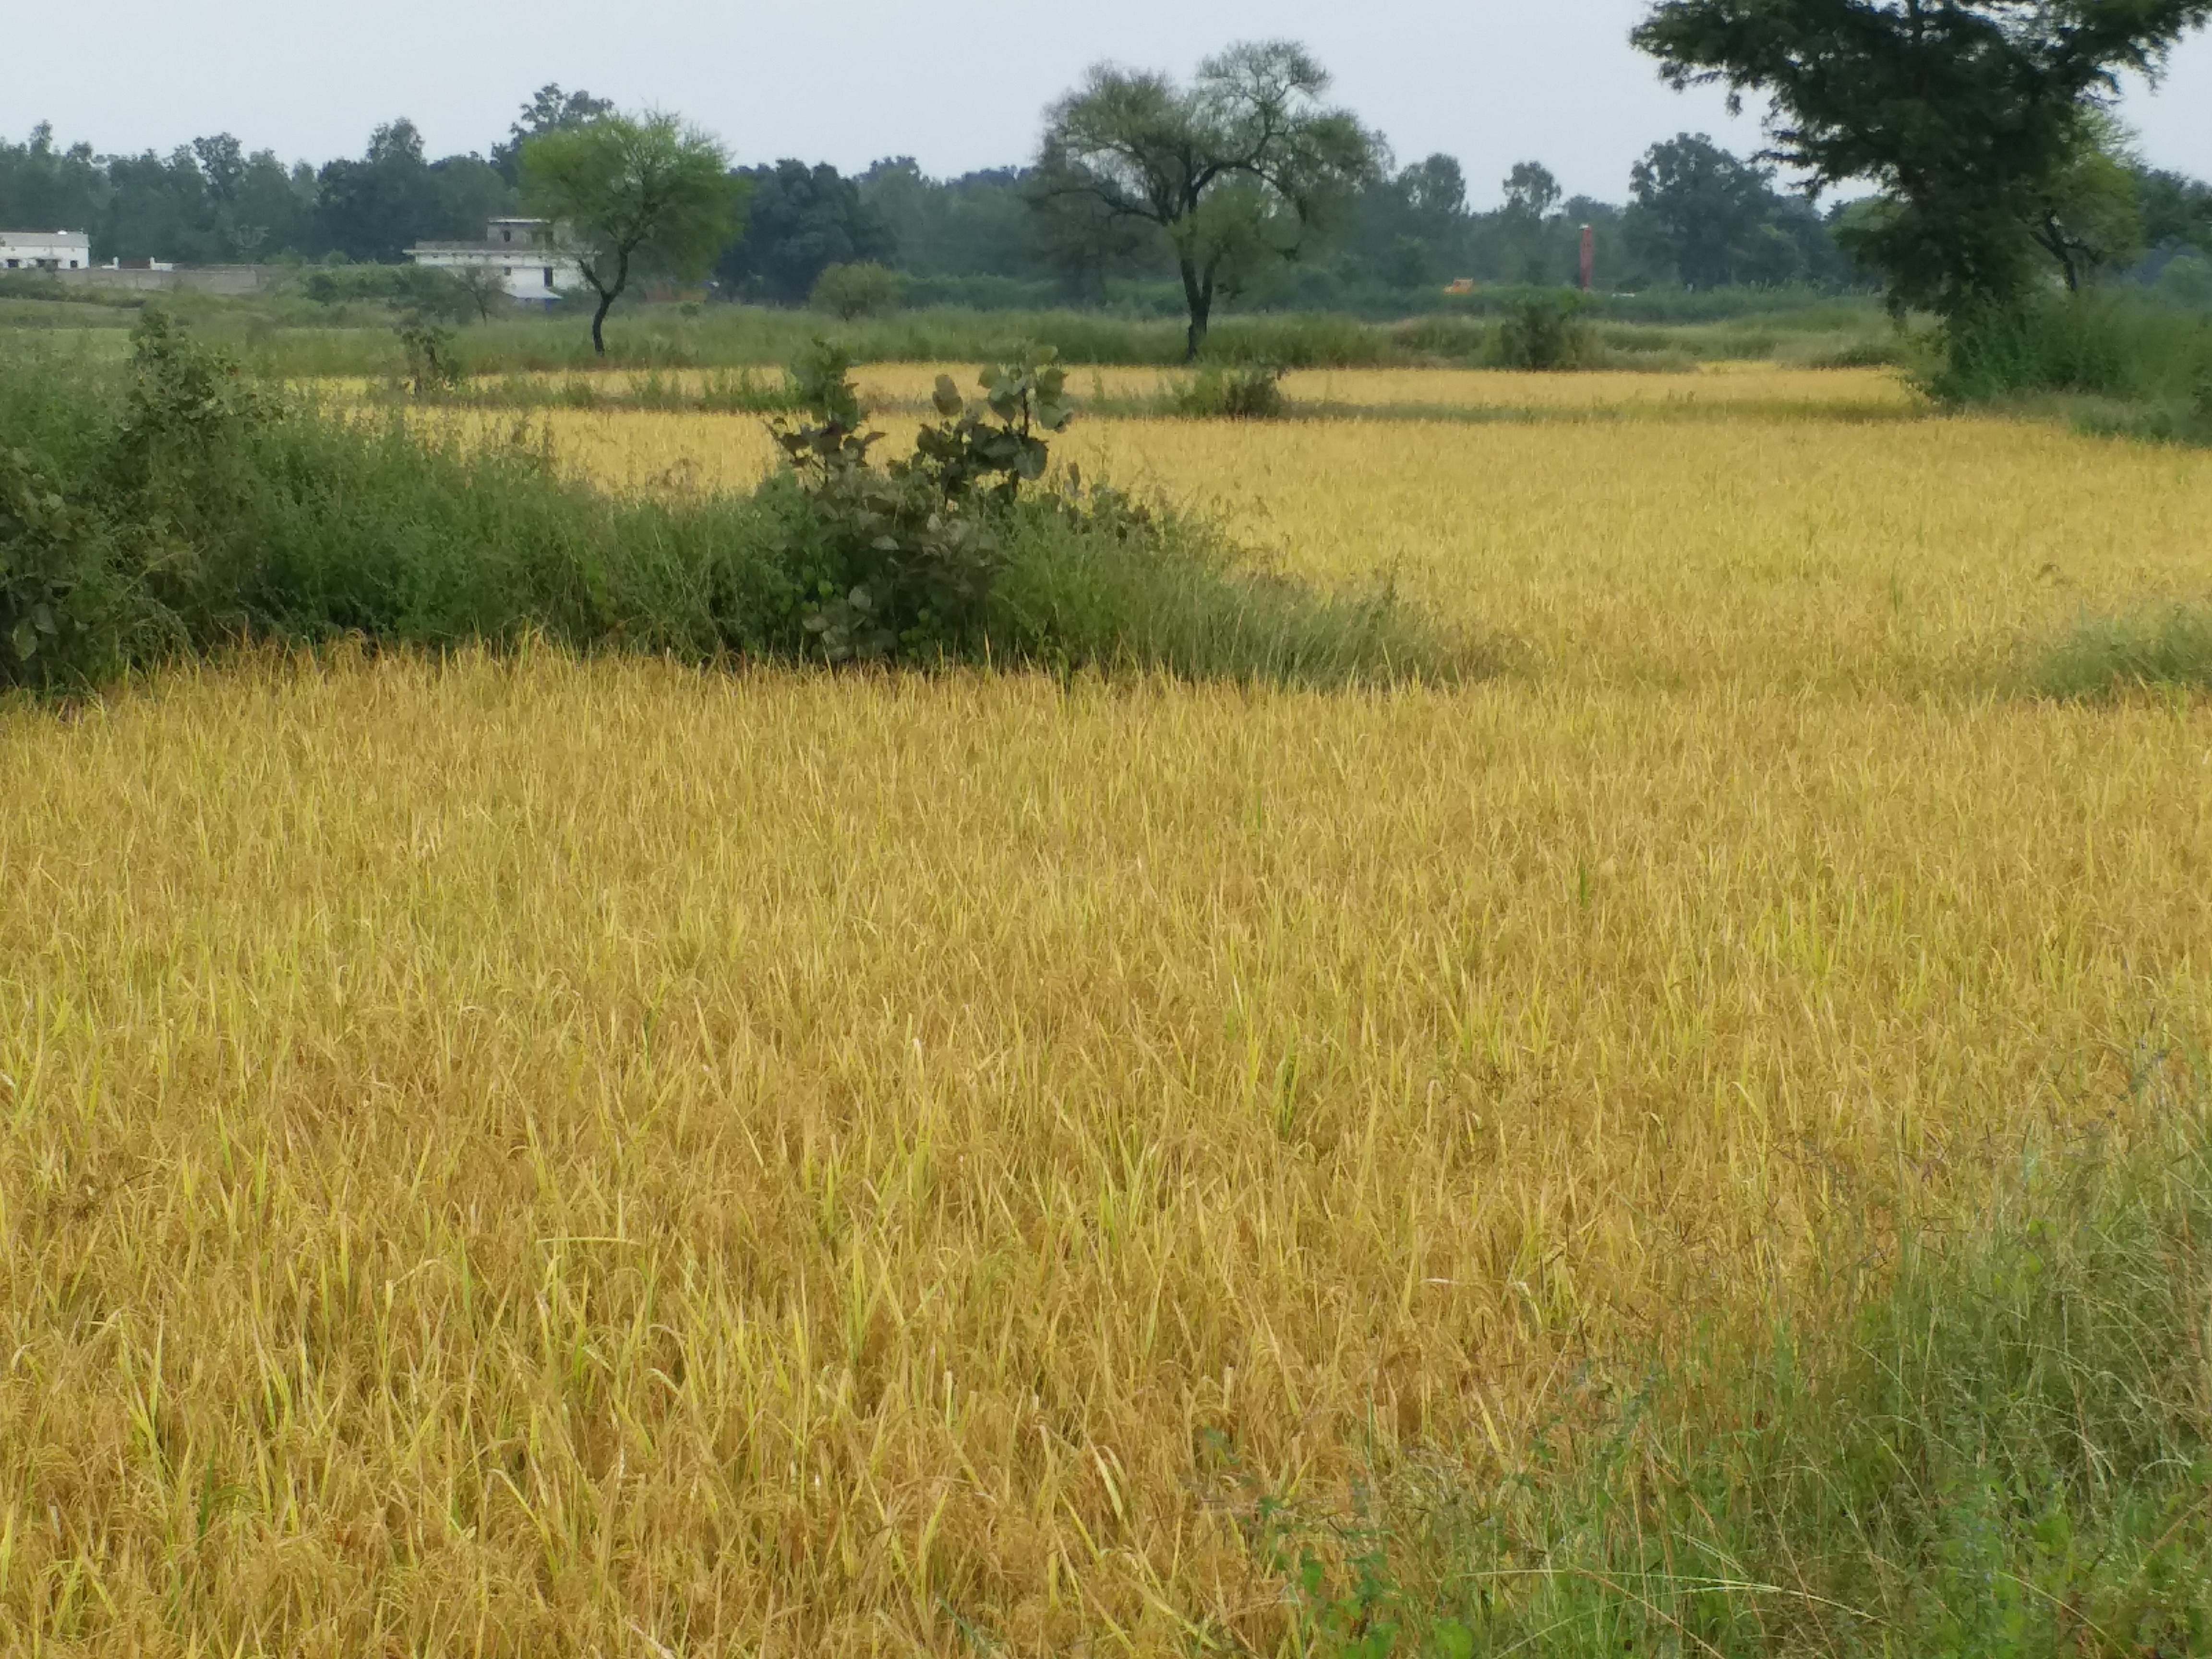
(1093, 577)
(432, 362)
(2187, 282)
(59, 615)
(914, 546)
(1547, 331)
(176, 506)
(855, 290)
(424, 288)
(1251, 392)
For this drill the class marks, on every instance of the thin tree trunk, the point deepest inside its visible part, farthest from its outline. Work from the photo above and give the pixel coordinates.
(607, 298)
(1197, 295)
(2062, 249)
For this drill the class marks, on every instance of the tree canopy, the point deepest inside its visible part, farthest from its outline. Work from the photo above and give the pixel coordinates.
(1712, 220)
(1967, 114)
(550, 109)
(1243, 168)
(800, 221)
(371, 209)
(633, 197)
(1386, 242)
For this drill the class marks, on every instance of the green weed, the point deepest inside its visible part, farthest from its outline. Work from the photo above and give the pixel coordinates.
(2000, 1451)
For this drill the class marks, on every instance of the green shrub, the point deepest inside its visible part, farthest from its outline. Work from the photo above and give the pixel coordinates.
(422, 289)
(913, 547)
(855, 290)
(1547, 330)
(62, 619)
(433, 364)
(1249, 392)
(174, 505)
(2106, 655)
(1093, 578)
(2187, 282)
(2102, 343)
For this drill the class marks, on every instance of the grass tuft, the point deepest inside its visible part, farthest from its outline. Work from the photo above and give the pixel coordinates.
(1128, 586)
(1996, 1447)
(2147, 650)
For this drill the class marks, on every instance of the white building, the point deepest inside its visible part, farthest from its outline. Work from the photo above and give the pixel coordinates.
(45, 249)
(524, 251)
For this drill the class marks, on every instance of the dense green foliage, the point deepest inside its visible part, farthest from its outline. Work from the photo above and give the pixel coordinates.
(2177, 211)
(2001, 1453)
(1547, 330)
(800, 221)
(1716, 221)
(211, 202)
(2127, 352)
(550, 109)
(173, 504)
(372, 209)
(859, 290)
(918, 545)
(1977, 121)
(1248, 391)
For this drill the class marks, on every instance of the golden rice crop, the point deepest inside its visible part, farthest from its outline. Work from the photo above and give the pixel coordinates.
(1762, 387)
(1766, 387)
(532, 1157)
(1821, 549)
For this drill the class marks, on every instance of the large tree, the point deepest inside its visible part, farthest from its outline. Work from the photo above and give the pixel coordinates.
(799, 220)
(1243, 168)
(1410, 229)
(1713, 219)
(371, 209)
(633, 197)
(1967, 114)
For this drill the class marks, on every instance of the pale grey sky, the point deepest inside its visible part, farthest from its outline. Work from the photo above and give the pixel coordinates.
(955, 83)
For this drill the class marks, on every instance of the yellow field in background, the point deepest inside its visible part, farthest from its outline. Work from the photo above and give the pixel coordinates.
(1763, 386)
(534, 1156)
(1817, 550)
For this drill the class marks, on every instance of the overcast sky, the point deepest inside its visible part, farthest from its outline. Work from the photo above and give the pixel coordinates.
(955, 83)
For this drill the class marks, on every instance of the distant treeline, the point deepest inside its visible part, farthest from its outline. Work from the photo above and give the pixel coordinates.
(1694, 216)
